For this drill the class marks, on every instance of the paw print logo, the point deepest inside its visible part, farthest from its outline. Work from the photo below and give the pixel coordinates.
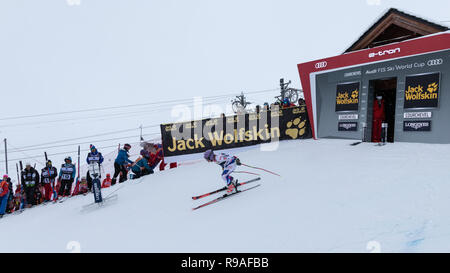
(355, 94)
(432, 87)
(296, 128)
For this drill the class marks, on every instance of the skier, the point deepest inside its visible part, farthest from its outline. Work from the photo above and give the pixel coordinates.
(93, 157)
(228, 164)
(142, 167)
(378, 118)
(66, 177)
(107, 181)
(48, 176)
(120, 164)
(4, 195)
(30, 181)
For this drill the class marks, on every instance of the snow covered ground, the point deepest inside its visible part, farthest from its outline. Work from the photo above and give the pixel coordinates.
(332, 197)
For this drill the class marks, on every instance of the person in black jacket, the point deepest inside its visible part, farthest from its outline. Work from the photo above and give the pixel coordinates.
(67, 176)
(48, 177)
(30, 182)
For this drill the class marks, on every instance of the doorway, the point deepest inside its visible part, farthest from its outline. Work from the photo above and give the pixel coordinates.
(387, 90)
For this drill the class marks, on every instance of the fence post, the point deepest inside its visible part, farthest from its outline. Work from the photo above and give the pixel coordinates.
(6, 155)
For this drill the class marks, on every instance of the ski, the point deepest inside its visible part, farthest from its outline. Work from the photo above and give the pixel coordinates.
(105, 201)
(224, 197)
(356, 143)
(224, 188)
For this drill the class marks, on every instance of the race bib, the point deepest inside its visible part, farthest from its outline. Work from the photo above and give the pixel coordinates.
(66, 177)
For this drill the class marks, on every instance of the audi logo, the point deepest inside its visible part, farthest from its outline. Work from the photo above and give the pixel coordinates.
(435, 62)
(321, 65)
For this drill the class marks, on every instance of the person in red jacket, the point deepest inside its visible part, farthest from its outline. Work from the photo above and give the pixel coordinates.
(107, 181)
(378, 118)
(4, 194)
(18, 198)
(83, 187)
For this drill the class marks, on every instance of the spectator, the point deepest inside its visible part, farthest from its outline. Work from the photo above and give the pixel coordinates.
(93, 157)
(156, 156)
(275, 106)
(19, 201)
(257, 108)
(107, 181)
(30, 182)
(10, 206)
(121, 163)
(38, 194)
(4, 195)
(83, 188)
(266, 106)
(141, 167)
(301, 102)
(286, 103)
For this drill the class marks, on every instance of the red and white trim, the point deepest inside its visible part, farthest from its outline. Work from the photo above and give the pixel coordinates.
(308, 71)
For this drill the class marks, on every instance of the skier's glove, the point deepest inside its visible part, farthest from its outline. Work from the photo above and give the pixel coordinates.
(238, 162)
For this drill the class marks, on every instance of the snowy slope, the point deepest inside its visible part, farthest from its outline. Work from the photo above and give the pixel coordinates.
(332, 197)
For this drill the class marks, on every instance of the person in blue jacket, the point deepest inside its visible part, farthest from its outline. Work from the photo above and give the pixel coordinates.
(93, 157)
(120, 164)
(66, 177)
(141, 167)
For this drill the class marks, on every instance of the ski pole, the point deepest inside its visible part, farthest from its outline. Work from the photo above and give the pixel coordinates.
(257, 174)
(260, 169)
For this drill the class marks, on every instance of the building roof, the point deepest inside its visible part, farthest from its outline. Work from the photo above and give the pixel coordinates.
(395, 26)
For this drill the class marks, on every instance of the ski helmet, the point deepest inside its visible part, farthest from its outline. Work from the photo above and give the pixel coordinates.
(127, 146)
(68, 158)
(209, 155)
(145, 153)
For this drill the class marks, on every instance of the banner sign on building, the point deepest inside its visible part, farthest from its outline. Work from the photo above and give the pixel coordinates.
(417, 126)
(348, 117)
(347, 97)
(235, 131)
(422, 91)
(347, 126)
(415, 115)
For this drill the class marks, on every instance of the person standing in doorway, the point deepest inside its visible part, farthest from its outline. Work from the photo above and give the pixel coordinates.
(378, 118)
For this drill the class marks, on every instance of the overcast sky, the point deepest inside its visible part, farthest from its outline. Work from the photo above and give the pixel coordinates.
(68, 55)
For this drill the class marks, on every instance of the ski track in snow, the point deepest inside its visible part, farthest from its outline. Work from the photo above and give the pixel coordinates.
(332, 197)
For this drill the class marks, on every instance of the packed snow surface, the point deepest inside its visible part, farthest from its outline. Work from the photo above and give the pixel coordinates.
(331, 197)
